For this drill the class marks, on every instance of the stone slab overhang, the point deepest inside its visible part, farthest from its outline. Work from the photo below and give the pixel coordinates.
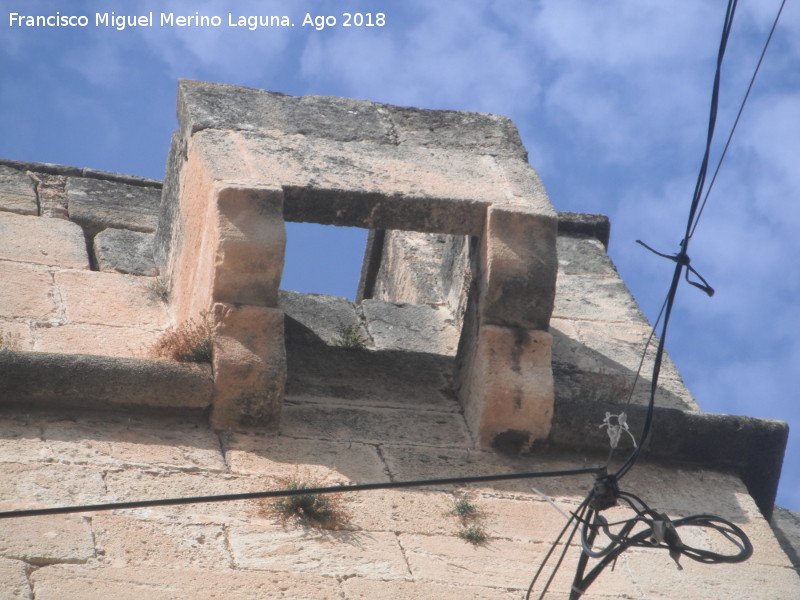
(750, 447)
(245, 161)
(54, 380)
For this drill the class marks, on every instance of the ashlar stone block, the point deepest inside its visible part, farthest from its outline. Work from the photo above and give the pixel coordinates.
(230, 240)
(110, 299)
(249, 366)
(252, 242)
(27, 292)
(42, 241)
(363, 588)
(124, 251)
(49, 539)
(518, 268)
(507, 386)
(15, 580)
(70, 582)
(129, 541)
(337, 553)
(17, 193)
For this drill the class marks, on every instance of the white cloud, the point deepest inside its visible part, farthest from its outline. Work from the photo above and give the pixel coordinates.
(625, 35)
(233, 54)
(453, 56)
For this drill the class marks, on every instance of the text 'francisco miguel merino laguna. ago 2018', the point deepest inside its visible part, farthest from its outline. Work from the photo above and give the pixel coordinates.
(169, 19)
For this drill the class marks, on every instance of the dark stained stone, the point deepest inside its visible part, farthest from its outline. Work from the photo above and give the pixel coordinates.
(95, 204)
(124, 251)
(17, 193)
(101, 382)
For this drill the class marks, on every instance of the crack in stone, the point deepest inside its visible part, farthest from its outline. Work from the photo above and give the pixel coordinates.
(224, 446)
(231, 561)
(403, 553)
(386, 469)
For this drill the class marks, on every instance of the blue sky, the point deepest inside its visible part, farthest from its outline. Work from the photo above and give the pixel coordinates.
(611, 100)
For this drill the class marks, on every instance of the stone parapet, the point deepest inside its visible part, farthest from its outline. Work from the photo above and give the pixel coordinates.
(245, 160)
(96, 204)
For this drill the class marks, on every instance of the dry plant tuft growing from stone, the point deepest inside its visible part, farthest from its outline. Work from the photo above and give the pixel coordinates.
(317, 510)
(10, 342)
(464, 508)
(159, 289)
(191, 341)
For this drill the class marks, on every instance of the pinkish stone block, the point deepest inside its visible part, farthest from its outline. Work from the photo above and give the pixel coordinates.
(111, 299)
(189, 271)
(506, 386)
(249, 366)
(26, 291)
(42, 241)
(518, 266)
(251, 246)
(95, 339)
(231, 244)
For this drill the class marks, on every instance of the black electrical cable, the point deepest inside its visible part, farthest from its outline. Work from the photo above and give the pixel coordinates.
(738, 116)
(659, 531)
(573, 521)
(649, 537)
(682, 260)
(338, 489)
(712, 121)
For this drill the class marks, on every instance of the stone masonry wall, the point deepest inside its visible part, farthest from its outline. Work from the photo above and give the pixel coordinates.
(392, 544)
(497, 363)
(382, 413)
(76, 261)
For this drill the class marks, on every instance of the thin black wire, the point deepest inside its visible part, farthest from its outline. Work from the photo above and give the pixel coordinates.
(712, 120)
(738, 116)
(682, 258)
(573, 521)
(638, 373)
(338, 489)
(590, 516)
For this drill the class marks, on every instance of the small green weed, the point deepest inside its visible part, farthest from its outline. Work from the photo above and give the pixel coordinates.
(474, 534)
(464, 508)
(470, 516)
(350, 338)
